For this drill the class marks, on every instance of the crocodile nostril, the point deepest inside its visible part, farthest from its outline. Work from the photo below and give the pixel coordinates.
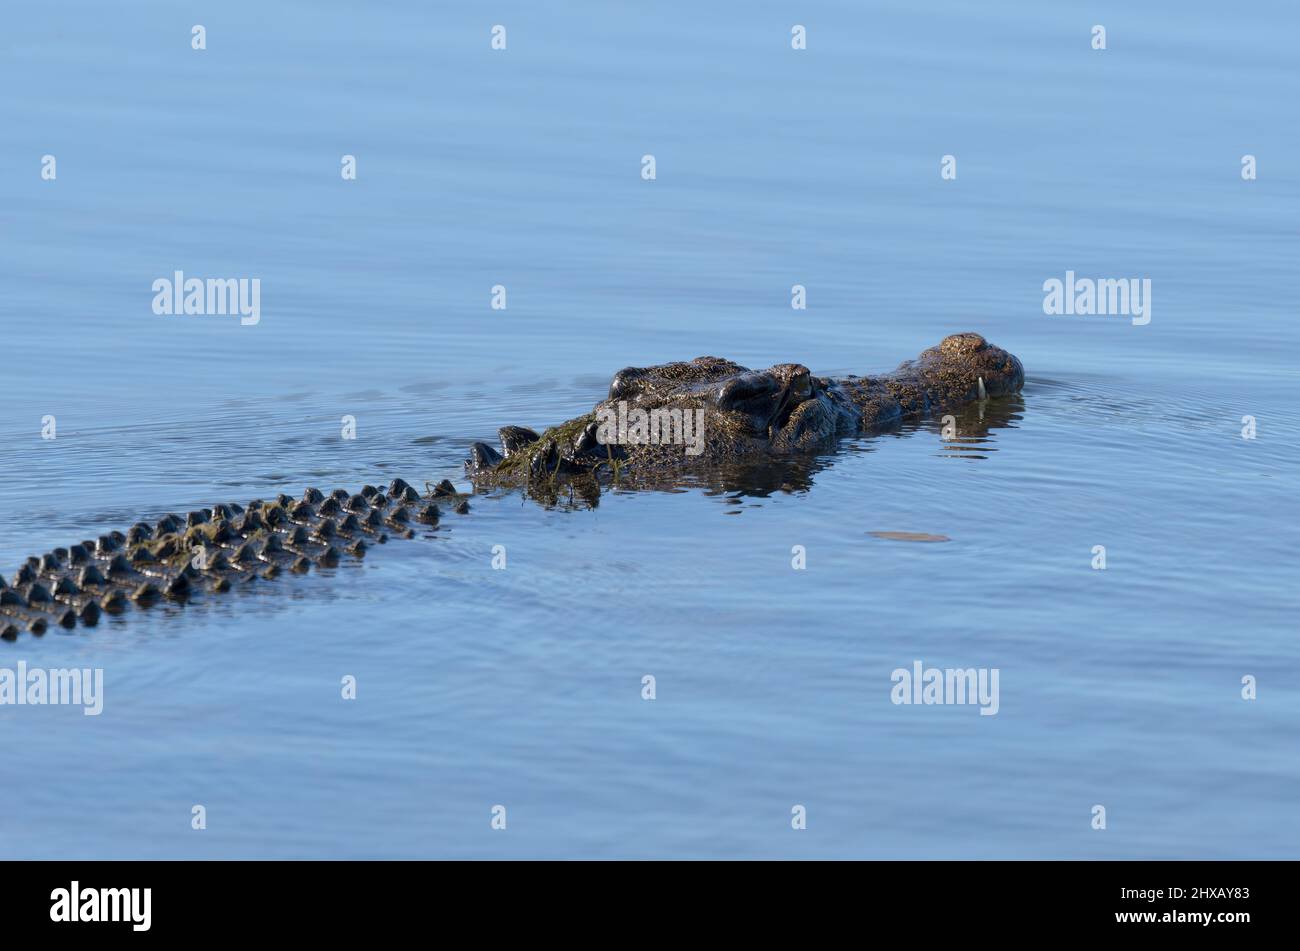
(483, 456)
(963, 343)
(515, 438)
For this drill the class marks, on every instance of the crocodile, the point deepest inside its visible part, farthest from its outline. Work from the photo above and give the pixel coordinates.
(662, 419)
(757, 418)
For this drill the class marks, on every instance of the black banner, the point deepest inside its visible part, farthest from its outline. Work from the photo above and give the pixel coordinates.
(1217, 900)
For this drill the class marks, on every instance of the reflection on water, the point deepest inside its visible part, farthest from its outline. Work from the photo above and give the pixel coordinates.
(966, 433)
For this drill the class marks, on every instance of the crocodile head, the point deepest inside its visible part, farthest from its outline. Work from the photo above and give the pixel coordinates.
(661, 415)
(783, 407)
(713, 410)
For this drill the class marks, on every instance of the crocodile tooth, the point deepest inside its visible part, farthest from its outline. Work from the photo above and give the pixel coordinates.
(78, 555)
(90, 575)
(983, 392)
(358, 503)
(312, 496)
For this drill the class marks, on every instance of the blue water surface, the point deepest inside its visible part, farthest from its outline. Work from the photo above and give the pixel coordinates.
(521, 167)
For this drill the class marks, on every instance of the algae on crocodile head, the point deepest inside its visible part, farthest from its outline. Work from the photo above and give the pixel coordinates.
(562, 435)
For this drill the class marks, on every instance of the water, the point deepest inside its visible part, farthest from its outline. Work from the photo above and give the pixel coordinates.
(522, 687)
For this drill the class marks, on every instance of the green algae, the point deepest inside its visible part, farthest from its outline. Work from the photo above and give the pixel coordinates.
(564, 434)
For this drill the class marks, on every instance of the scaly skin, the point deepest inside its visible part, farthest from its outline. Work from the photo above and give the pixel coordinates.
(748, 413)
(209, 551)
(749, 416)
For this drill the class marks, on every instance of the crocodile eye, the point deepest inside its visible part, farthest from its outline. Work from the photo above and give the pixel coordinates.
(748, 392)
